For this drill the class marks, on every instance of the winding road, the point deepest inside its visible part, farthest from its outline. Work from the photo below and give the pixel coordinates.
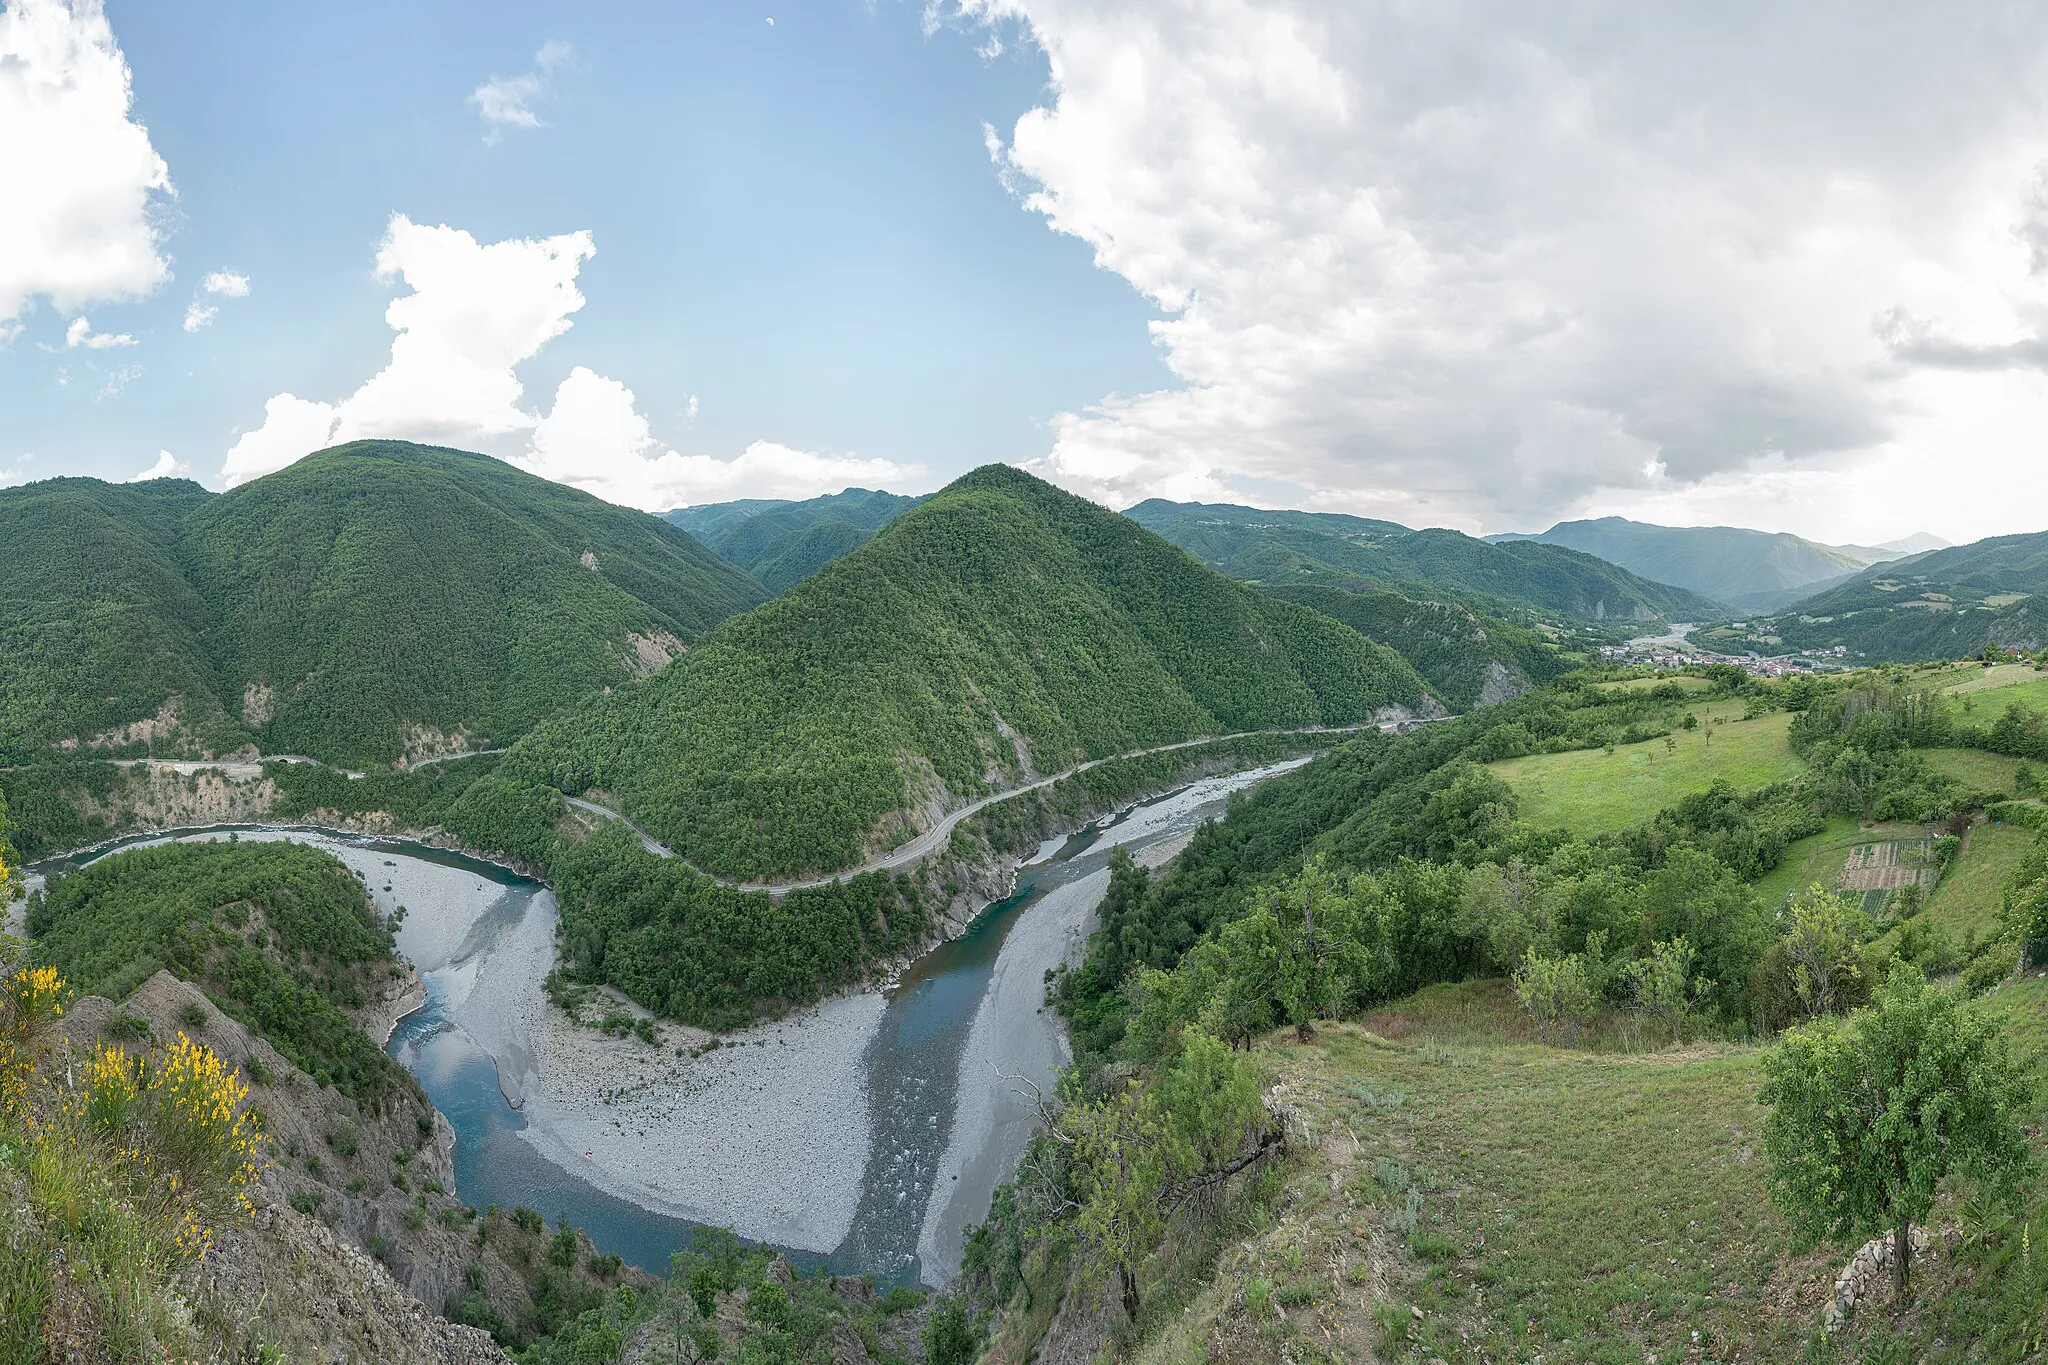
(933, 838)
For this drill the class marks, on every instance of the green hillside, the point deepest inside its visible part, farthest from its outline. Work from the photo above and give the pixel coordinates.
(1749, 570)
(1276, 549)
(370, 599)
(1002, 626)
(1467, 659)
(783, 543)
(98, 625)
(1938, 605)
(382, 586)
(1515, 1143)
(279, 935)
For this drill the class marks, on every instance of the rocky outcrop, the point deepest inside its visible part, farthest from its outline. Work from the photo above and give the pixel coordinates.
(356, 1225)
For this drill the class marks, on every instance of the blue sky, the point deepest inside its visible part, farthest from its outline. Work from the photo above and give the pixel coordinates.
(796, 223)
(1488, 265)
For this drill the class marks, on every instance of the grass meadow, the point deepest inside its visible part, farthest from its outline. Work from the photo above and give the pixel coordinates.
(1596, 789)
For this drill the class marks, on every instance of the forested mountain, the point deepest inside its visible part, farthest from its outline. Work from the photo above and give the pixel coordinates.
(371, 599)
(1941, 604)
(1281, 548)
(1467, 659)
(98, 624)
(783, 543)
(1001, 628)
(1749, 570)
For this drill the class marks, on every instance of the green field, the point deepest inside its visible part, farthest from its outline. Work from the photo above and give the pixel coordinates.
(1816, 858)
(1591, 790)
(1974, 768)
(1986, 704)
(1975, 678)
(1967, 900)
(1684, 680)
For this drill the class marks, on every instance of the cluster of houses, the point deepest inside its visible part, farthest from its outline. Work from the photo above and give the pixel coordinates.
(1664, 654)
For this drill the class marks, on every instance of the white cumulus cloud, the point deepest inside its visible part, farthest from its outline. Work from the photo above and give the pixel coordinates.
(474, 312)
(80, 333)
(226, 284)
(596, 439)
(167, 466)
(477, 310)
(507, 101)
(77, 172)
(1489, 263)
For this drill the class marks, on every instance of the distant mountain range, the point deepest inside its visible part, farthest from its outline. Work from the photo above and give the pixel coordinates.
(1940, 604)
(1280, 549)
(783, 543)
(370, 600)
(1748, 570)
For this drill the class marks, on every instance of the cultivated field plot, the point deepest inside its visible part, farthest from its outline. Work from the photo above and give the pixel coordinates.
(1878, 870)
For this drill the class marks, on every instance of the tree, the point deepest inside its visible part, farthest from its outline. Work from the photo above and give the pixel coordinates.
(949, 1335)
(1555, 990)
(694, 1282)
(1823, 933)
(1869, 1115)
(1662, 986)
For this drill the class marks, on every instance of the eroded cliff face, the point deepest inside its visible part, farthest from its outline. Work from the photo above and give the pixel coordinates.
(358, 1245)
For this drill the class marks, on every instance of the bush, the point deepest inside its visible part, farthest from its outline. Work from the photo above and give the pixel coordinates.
(950, 1337)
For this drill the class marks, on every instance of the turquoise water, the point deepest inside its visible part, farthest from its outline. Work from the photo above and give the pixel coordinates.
(912, 1064)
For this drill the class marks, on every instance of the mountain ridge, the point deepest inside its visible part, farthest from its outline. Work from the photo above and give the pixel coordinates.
(369, 601)
(1003, 627)
(1275, 548)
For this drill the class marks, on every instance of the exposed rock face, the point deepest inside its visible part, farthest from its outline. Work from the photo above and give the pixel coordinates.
(357, 1227)
(652, 652)
(163, 796)
(1502, 683)
(291, 1281)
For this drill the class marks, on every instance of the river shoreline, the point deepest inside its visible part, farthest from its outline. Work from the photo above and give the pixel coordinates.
(770, 1130)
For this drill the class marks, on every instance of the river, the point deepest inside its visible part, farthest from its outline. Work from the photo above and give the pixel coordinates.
(865, 1134)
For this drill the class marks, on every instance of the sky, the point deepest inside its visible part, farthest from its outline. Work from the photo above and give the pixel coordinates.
(1482, 265)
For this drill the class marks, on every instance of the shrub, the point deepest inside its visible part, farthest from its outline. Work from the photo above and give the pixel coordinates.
(192, 1014)
(950, 1337)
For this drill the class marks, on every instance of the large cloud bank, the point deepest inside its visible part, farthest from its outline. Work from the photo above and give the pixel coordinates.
(1486, 263)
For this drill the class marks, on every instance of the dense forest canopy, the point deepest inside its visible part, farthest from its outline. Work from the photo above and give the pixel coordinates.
(1281, 548)
(281, 936)
(783, 543)
(1000, 627)
(342, 607)
(1468, 659)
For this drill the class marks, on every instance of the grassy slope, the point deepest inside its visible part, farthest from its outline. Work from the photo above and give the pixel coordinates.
(1574, 1206)
(801, 735)
(380, 585)
(1590, 789)
(1967, 900)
